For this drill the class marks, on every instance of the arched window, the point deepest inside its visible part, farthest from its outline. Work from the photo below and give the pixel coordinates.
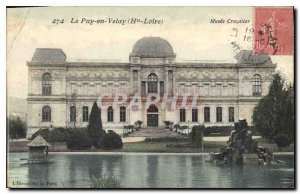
(46, 84)
(152, 83)
(85, 114)
(256, 85)
(72, 114)
(46, 114)
(122, 114)
(152, 108)
(110, 114)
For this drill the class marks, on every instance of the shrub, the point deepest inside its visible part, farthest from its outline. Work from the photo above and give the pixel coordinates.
(167, 139)
(176, 126)
(58, 135)
(16, 127)
(218, 130)
(106, 181)
(79, 139)
(167, 124)
(196, 135)
(110, 140)
(138, 123)
(281, 140)
(55, 135)
(45, 133)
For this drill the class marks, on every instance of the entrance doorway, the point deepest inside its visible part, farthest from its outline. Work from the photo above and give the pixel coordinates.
(152, 116)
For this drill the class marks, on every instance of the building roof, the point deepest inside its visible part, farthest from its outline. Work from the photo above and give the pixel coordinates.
(152, 47)
(38, 141)
(50, 55)
(247, 57)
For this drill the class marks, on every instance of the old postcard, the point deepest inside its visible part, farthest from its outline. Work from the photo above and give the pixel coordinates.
(150, 97)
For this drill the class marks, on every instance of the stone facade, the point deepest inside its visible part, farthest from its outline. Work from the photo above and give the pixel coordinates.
(235, 86)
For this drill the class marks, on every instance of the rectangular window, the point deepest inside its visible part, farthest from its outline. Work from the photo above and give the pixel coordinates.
(143, 88)
(219, 114)
(161, 88)
(206, 114)
(182, 115)
(194, 115)
(122, 114)
(231, 114)
(110, 114)
(85, 114)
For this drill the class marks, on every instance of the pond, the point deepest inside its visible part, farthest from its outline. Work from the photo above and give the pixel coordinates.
(75, 170)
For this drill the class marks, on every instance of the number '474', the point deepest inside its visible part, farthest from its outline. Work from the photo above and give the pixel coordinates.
(58, 21)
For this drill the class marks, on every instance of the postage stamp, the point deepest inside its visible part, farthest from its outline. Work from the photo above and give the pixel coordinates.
(274, 30)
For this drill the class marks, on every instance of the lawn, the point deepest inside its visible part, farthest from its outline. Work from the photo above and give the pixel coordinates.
(170, 147)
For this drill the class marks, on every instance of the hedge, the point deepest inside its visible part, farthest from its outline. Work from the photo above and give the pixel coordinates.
(79, 139)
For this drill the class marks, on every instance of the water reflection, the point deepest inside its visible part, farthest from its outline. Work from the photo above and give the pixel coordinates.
(152, 164)
(38, 176)
(148, 171)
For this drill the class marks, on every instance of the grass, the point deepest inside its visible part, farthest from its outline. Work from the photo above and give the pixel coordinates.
(183, 147)
(106, 181)
(169, 146)
(265, 143)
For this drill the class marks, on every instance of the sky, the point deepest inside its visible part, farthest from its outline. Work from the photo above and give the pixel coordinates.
(188, 29)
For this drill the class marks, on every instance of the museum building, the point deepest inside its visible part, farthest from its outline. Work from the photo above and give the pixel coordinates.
(61, 93)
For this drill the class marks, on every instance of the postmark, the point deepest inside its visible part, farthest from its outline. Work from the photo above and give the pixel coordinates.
(273, 30)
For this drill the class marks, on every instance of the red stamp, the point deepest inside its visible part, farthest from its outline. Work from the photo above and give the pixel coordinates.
(274, 30)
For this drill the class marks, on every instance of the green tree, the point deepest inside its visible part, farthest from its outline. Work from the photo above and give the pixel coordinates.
(196, 136)
(16, 127)
(95, 128)
(274, 113)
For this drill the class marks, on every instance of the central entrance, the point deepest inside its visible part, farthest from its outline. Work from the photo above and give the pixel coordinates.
(152, 116)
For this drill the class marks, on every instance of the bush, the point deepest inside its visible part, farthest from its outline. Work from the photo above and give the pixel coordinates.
(42, 132)
(110, 140)
(55, 135)
(176, 126)
(167, 124)
(167, 139)
(138, 123)
(196, 136)
(16, 127)
(218, 130)
(281, 140)
(59, 135)
(79, 139)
